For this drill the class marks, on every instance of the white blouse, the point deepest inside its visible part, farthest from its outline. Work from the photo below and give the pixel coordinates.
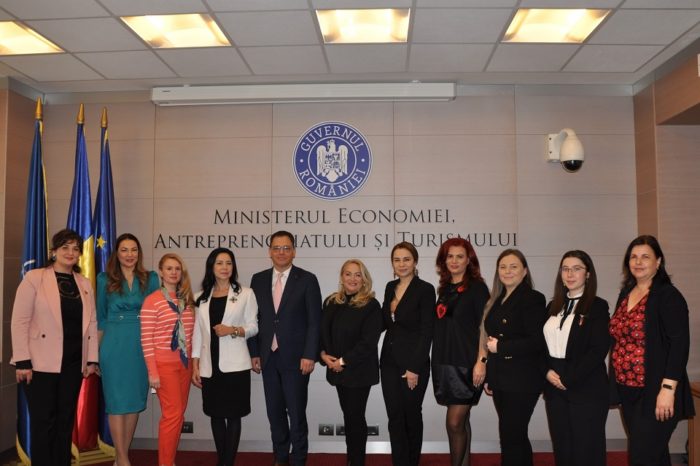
(557, 335)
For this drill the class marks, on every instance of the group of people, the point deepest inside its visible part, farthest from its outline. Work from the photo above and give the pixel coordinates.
(149, 330)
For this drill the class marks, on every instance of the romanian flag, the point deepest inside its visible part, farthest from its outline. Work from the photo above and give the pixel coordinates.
(34, 255)
(80, 220)
(104, 225)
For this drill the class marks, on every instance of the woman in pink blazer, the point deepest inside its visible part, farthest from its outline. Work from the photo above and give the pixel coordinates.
(54, 345)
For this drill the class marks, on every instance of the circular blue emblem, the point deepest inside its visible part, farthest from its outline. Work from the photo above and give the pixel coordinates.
(332, 160)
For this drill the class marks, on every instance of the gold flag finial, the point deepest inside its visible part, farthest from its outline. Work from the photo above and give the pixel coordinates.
(81, 114)
(104, 117)
(39, 114)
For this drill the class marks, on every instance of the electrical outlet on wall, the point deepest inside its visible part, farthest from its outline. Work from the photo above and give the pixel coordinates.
(188, 427)
(373, 430)
(339, 429)
(325, 429)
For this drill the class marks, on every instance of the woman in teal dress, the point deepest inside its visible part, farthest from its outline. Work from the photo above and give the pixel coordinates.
(121, 290)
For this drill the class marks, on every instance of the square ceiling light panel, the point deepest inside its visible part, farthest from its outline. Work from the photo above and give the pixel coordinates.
(17, 39)
(553, 25)
(177, 31)
(368, 26)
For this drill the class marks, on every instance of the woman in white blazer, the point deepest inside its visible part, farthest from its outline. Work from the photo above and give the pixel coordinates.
(227, 316)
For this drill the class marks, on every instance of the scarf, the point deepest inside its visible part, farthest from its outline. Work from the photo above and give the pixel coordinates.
(178, 341)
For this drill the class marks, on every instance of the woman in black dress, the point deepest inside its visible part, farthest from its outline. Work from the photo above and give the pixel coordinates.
(515, 314)
(578, 342)
(649, 355)
(459, 362)
(350, 329)
(409, 316)
(226, 317)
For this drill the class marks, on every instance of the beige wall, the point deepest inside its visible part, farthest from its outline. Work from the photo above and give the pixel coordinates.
(16, 133)
(481, 156)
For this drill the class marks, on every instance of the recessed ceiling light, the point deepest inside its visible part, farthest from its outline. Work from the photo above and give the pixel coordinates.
(18, 39)
(364, 26)
(173, 31)
(552, 25)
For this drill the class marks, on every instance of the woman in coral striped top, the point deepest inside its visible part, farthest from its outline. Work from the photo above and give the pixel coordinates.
(167, 323)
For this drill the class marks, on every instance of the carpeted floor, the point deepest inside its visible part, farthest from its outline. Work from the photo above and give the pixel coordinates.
(150, 458)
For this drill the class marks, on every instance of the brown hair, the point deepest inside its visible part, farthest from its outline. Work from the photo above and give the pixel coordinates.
(589, 291)
(115, 276)
(61, 238)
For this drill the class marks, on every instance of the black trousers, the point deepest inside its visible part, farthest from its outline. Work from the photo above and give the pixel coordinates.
(404, 408)
(577, 429)
(353, 402)
(647, 438)
(286, 394)
(514, 412)
(52, 400)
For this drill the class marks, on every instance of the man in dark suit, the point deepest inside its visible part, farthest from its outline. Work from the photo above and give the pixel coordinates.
(287, 345)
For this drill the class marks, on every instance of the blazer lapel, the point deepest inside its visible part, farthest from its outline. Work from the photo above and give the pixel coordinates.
(509, 303)
(288, 287)
(204, 310)
(407, 296)
(576, 329)
(50, 288)
(228, 310)
(84, 297)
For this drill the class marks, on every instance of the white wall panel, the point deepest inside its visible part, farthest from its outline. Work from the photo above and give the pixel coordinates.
(480, 158)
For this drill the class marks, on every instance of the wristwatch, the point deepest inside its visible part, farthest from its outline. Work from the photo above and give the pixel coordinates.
(235, 332)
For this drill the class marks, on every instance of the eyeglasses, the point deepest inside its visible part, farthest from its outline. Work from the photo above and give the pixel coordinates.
(574, 269)
(281, 248)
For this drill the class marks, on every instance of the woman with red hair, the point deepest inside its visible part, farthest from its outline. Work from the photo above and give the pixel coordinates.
(459, 361)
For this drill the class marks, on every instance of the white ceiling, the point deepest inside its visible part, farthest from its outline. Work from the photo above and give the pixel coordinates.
(279, 41)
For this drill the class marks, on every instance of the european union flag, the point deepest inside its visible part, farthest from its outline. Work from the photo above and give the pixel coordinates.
(34, 255)
(104, 226)
(104, 222)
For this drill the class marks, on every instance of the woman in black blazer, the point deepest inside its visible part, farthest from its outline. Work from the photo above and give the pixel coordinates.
(578, 341)
(408, 311)
(350, 327)
(651, 340)
(514, 314)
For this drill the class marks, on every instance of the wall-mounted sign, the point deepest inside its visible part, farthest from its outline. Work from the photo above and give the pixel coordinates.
(332, 160)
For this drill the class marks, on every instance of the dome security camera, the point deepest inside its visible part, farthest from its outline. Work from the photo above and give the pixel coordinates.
(566, 148)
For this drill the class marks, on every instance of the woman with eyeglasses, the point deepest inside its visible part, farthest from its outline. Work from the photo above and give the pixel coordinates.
(648, 376)
(514, 314)
(577, 338)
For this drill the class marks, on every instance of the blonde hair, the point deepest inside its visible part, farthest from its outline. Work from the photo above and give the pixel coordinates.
(364, 295)
(184, 288)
